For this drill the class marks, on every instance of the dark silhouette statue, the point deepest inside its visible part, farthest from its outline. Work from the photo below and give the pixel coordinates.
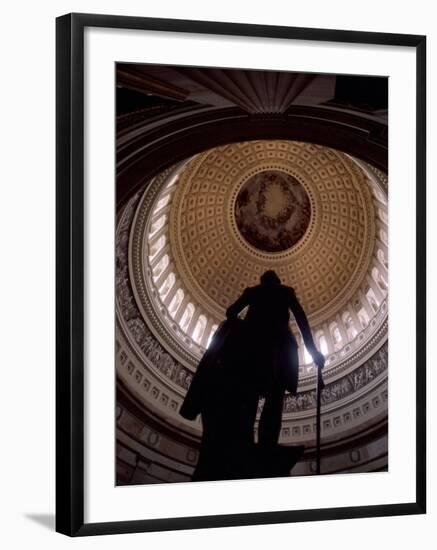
(248, 359)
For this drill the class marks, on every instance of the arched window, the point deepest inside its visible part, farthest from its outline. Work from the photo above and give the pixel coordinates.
(350, 329)
(156, 225)
(379, 195)
(162, 202)
(382, 258)
(375, 274)
(211, 334)
(176, 302)
(199, 329)
(167, 285)
(172, 181)
(384, 237)
(307, 357)
(363, 317)
(382, 216)
(186, 317)
(372, 299)
(321, 342)
(156, 246)
(382, 282)
(336, 336)
(160, 266)
(379, 279)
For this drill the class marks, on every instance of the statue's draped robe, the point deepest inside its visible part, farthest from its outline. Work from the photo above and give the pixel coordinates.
(271, 347)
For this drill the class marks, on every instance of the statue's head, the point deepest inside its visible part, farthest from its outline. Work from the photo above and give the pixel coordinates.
(270, 277)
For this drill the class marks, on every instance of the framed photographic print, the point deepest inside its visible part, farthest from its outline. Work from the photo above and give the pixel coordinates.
(240, 274)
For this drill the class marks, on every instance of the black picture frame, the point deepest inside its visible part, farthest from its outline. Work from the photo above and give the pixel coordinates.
(70, 273)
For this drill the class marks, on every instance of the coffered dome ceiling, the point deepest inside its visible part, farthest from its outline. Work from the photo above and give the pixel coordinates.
(302, 209)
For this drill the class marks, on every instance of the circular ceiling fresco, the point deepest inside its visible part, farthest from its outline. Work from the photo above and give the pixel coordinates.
(272, 211)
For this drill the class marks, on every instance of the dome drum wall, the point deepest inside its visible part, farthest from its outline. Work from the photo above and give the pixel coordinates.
(143, 450)
(360, 396)
(142, 455)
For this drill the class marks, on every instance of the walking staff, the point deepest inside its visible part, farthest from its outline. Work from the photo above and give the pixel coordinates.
(320, 386)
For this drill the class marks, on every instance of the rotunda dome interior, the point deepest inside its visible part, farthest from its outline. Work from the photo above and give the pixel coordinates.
(194, 235)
